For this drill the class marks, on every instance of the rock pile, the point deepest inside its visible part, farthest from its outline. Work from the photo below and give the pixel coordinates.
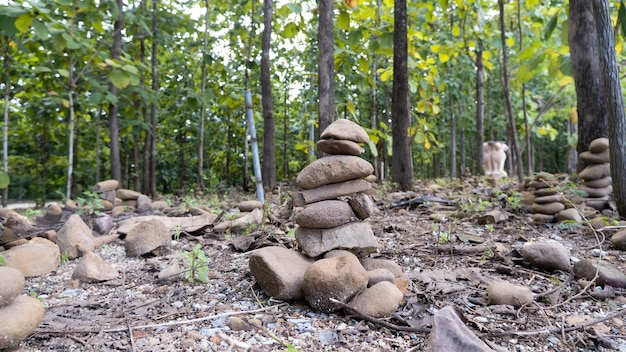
(19, 315)
(331, 207)
(597, 175)
(550, 203)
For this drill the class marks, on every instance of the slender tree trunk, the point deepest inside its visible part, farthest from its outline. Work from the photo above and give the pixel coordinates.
(98, 144)
(402, 161)
(452, 140)
(326, 67)
(614, 101)
(590, 94)
(374, 92)
(70, 156)
(269, 128)
(200, 180)
(5, 137)
(529, 160)
(153, 110)
(507, 99)
(145, 170)
(480, 109)
(285, 135)
(116, 51)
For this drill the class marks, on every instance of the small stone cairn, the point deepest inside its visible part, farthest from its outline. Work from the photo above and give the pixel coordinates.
(597, 181)
(19, 314)
(333, 236)
(551, 203)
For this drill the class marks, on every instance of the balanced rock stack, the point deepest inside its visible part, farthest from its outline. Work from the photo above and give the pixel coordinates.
(330, 208)
(597, 175)
(550, 204)
(19, 314)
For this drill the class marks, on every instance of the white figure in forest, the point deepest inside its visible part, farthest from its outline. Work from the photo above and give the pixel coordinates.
(495, 156)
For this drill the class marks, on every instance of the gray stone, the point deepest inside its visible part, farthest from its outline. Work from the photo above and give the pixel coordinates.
(548, 208)
(339, 146)
(127, 194)
(362, 205)
(331, 191)
(107, 185)
(379, 275)
(540, 192)
(597, 203)
(595, 171)
(449, 333)
(37, 257)
(19, 319)
(599, 145)
(599, 183)
(608, 274)
(144, 203)
(339, 278)
(75, 238)
(325, 214)
(345, 129)
(356, 237)
(595, 158)
(279, 271)
(502, 292)
(103, 224)
(376, 263)
(171, 272)
(556, 197)
(379, 301)
(572, 214)
(245, 221)
(597, 192)
(619, 240)
(11, 284)
(339, 253)
(249, 205)
(145, 237)
(333, 169)
(92, 268)
(159, 205)
(547, 255)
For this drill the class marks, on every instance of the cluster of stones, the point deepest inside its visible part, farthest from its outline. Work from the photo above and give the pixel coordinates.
(597, 181)
(19, 314)
(335, 241)
(119, 200)
(550, 204)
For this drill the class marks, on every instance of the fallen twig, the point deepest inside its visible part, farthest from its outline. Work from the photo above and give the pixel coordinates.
(379, 321)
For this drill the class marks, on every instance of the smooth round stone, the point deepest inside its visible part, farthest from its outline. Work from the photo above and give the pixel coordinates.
(548, 208)
(339, 146)
(597, 192)
(599, 183)
(345, 129)
(599, 145)
(19, 319)
(501, 292)
(11, 284)
(595, 158)
(333, 169)
(325, 214)
(595, 171)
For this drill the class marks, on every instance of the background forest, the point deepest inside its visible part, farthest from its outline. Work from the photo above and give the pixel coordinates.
(152, 92)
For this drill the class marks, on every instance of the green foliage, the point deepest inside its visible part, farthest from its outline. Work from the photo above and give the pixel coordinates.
(3, 261)
(196, 264)
(65, 258)
(89, 203)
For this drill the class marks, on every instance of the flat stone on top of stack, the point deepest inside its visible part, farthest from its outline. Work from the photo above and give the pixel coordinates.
(331, 205)
(597, 175)
(550, 204)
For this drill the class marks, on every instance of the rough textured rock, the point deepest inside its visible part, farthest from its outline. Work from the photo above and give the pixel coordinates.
(502, 292)
(376, 263)
(144, 203)
(159, 205)
(103, 224)
(127, 194)
(345, 129)
(325, 214)
(37, 257)
(14, 225)
(75, 238)
(107, 185)
(146, 237)
(340, 278)
(339, 146)
(11, 284)
(362, 205)
(449, 333)
(333, 169)
(19, 319)
(171, 272)
(599, 145)
(608, 274)
(249, 205)
(255, 217)
(378, 301)
(547, 255)
(279, 271)
(92, 268)
(548, 208)
(356, 237)
(619, 240)
(331, 191)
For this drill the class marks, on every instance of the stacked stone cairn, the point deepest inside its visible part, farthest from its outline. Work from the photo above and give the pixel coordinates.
(335, 241)
(551, 203)
(597, 181)
(19, 314)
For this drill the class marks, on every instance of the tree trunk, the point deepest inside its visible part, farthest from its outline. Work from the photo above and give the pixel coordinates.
(5, 137)
(153, 110)
(326, 67)
(452, 140)
(200, 180)
(70, 156)
(269, 128)
(116, 51)
(480, 109)
(614, 101)
(401, 160)
(590, 101)
(515, 152)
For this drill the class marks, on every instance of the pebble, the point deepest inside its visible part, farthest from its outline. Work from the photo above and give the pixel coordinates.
(328, 337)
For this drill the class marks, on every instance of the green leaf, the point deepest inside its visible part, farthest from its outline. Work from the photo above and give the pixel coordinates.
(2, 260)
(23, 22)
(343, 21)
(550, 28)
(621, 17)
(119, 78)
(354, 37)
(131, 69)
(372, 147)
(63, 72)
(295, 7)
(4, 180)
(40, 29)
(290, 30)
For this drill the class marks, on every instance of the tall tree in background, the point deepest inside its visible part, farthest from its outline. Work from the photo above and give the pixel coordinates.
(116, 51)
(269, 133)
(326, 67)
(609, 76)
(590, 102)
(401, 160)
(153, 107)
(200, 185)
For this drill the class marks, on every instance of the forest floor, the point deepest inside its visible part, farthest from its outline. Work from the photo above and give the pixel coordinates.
(136, 312)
